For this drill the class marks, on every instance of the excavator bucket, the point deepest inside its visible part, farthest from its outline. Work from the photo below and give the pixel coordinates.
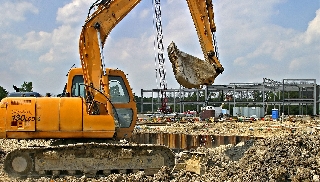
(190, 71)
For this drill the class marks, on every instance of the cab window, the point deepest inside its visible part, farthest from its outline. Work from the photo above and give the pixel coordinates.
(77, 88)
(118, 90)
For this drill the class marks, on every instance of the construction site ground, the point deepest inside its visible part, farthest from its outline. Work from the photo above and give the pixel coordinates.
(286, 150)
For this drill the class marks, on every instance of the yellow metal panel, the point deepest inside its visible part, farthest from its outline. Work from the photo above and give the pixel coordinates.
(47, 114)
(21, 114)
(98, 123)
(59, 134)
(71, 114)
(3, 112)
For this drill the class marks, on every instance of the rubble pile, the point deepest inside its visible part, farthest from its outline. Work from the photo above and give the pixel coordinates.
(295, 157)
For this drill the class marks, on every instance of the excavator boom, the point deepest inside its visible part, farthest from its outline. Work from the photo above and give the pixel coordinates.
(96, 29)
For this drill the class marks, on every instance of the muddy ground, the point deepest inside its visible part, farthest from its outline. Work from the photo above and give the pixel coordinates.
(290, 151)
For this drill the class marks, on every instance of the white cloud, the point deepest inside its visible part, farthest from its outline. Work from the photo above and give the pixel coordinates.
(240, 61)
(124, 55)
(74, 12)
(295, 64)
(15, 11)
(313, 31)
(261, 68)
(34, 41)
(8, 42)
(65, 36)
(63, 43)
(47, 57)
(47, 70)
(144, 13)
(23, 67)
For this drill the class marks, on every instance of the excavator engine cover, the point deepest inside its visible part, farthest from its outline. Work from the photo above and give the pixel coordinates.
(190, 71)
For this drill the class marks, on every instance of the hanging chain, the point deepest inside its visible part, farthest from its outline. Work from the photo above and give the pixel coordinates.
(159, 55)
(158, 43)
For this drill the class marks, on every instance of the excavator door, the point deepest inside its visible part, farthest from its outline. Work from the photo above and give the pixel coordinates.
(124, 106)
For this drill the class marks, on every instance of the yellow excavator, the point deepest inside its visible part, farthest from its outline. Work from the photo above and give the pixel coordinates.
(97, 108)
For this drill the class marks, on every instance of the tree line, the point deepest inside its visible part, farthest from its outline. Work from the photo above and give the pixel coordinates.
(25, 87)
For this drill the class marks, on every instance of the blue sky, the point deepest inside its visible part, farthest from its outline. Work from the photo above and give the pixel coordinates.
(273, 39)
(295, 14)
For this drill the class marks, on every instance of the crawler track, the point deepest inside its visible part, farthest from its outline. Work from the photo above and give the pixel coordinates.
(91, 159)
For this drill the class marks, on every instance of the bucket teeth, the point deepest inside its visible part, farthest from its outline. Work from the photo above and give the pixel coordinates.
(190, 71)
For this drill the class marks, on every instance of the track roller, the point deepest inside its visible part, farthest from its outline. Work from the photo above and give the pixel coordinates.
(19, 164)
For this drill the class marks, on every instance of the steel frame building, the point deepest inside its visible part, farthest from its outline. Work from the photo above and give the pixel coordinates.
(246, 94)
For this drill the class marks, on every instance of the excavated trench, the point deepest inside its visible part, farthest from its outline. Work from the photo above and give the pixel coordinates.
(180, 141)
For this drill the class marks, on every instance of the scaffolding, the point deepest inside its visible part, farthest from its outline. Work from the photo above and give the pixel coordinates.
(282, 95)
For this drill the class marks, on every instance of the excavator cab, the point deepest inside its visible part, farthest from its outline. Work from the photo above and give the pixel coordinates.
(122, 102)
(117, 93)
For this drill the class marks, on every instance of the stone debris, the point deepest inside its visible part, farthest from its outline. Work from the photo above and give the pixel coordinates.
(282, 155)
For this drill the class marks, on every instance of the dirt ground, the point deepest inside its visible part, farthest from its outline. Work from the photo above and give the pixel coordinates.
(259, 128)
(289, 151)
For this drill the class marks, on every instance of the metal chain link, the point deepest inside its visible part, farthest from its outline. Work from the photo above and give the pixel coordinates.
(159, 57)
(159, 45)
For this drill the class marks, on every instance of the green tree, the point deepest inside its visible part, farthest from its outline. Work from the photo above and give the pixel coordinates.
(26, 87)
(3, 93)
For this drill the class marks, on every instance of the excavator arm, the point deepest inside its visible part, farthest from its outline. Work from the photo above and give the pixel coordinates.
(96, 29)
(190, 72)
(202, 15)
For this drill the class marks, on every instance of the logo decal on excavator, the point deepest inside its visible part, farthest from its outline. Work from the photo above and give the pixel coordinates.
(20, 102)
(22, 116)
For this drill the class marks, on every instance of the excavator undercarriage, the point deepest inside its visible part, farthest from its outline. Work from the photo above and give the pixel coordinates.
(90, 159)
